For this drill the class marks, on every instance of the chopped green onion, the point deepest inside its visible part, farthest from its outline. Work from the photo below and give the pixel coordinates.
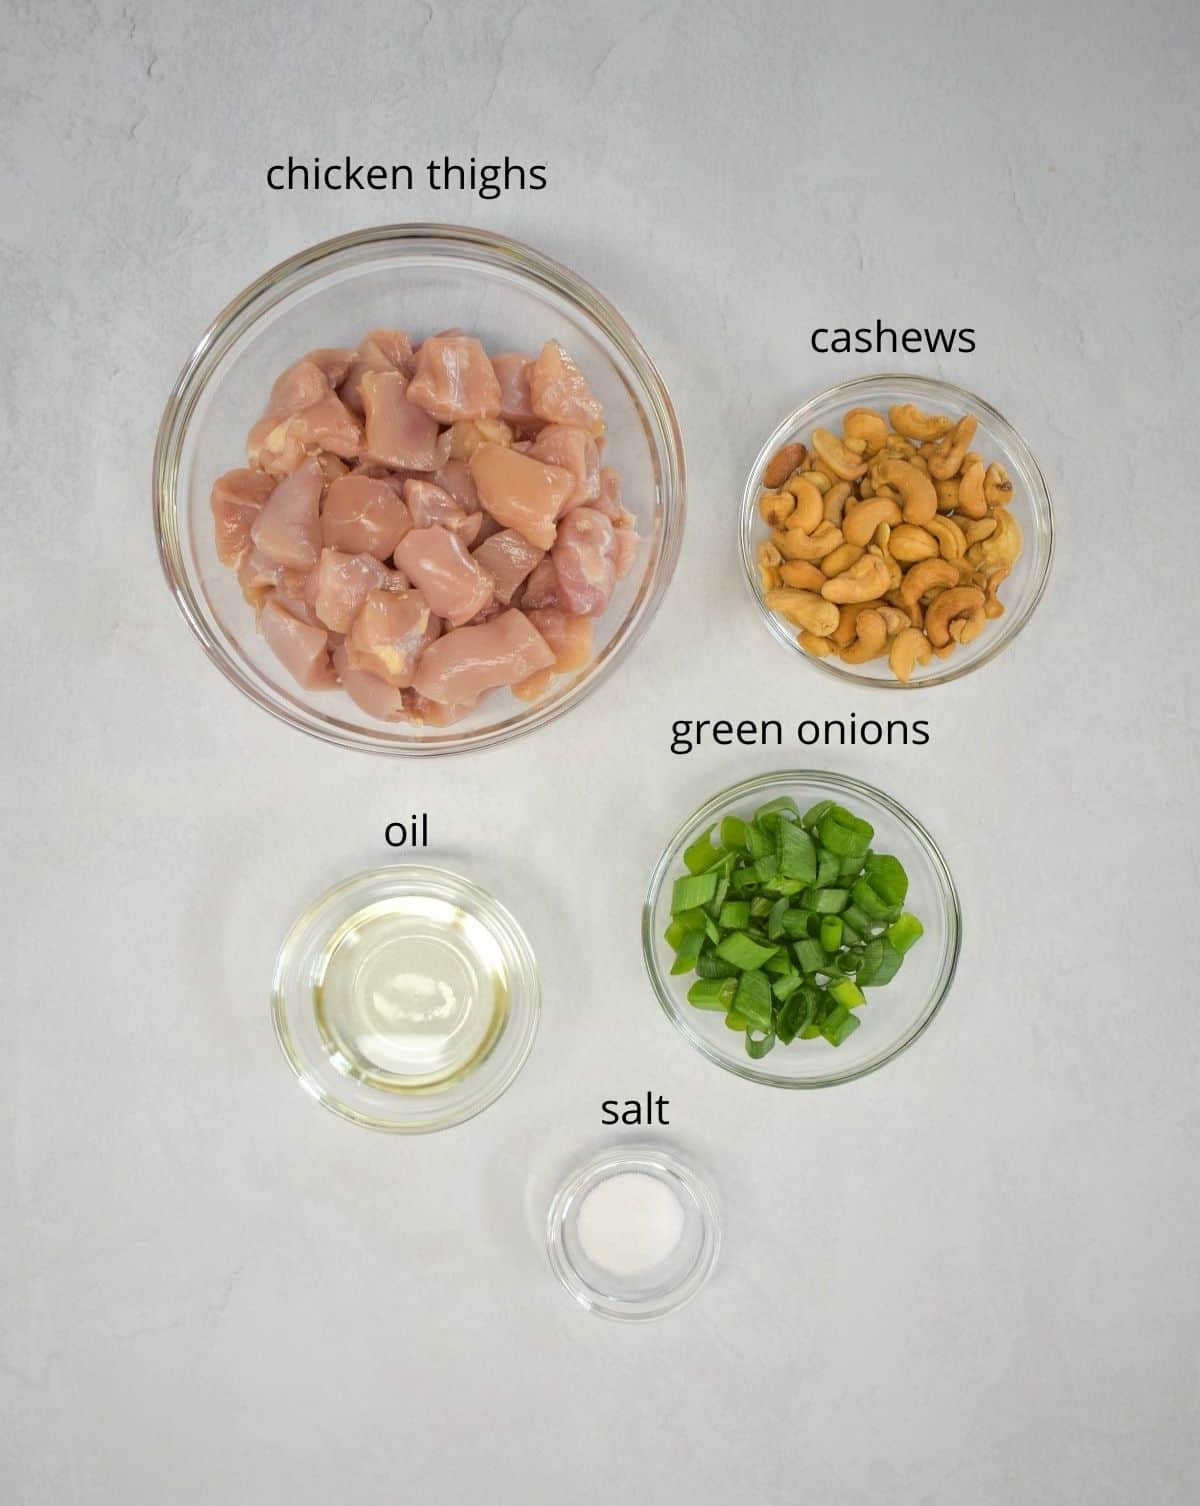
(737, 1022)
(753, 999)
(733, 832)
(688, 953)
(846, 991)
(709, 965)
(815, 814)
(775, 919)
(767, 868)
(829, 867)
(838, 1024)
(844, 833)
(744, 952)
(758, 842)
(735, 914)
(691, 891)
(782, 805)
(712, 993)
(886, 876)
(867, 898)
(797, 855)
(831, 933)
(757, 1046)
(828, 901)
(701, 855)
(905, 932)
(811, 956)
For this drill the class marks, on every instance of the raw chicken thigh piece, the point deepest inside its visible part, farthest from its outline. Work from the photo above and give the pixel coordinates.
(399, 434)
(570, 637)
(375, 696)
(508, 558)
(521, 492)
(288, 528)
(340, 583)
(560, 393)
(541, 589)
(363, 515)
(455, 477)
(259, 576)
(297, 388)
(334, 363)
(575, 451)
(454, 379)
(382, 350)
(302, 650)
(458, 668)
(391, 632)
(429, 504)
(608, 499)
(585, 562)
(436, 562)
(237, 498)
(516, 405)
(326, 425)
(303, 415)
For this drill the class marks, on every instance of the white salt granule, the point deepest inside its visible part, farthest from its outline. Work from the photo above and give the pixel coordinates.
(629, 1223)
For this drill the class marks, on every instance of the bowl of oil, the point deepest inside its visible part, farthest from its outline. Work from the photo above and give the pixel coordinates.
(406, 999)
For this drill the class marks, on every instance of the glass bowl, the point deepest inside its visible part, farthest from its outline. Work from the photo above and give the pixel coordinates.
(422, 278)
(406, 999)
(660, 1289)
(995, 439)
(894, 1016)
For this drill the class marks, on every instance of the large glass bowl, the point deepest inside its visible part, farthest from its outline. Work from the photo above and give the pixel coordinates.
(995, 439)
(421, 278)
(894, 1016)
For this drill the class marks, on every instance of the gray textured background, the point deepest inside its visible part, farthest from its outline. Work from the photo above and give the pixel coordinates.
(970, 1278)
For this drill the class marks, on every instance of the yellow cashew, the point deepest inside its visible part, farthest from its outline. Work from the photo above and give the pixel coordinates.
(965, 602)
(866, 424)
(927, 576)
(848, 615)
(997, 487)
(948, 454)
(895, 574)
(915, 488)
(871, 639)
(993, 607)
(947, 494)
(841, 559)
(865, 580)
(795, 544)
(979, 528)
(818, 479)
(952, 542)
(775, 508)
(860, 524)
(809, 505)
(805, 609)
(910, 543)
(835, 502)
(895, 620)
(971, 501)
(1002, 548)
(843, 462)
(819, 648)
(910, 647)
(908, 419)
(801, 575)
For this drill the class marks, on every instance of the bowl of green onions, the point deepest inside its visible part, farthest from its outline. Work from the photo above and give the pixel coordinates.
(801, 929)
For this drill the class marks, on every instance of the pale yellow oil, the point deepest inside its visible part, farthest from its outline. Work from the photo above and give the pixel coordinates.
(410, 993)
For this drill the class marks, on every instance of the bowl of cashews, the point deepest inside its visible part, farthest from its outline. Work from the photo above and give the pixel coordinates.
(896, 530)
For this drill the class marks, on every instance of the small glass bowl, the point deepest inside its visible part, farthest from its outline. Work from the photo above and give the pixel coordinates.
(356, 1095)
(667, 1286)
(894, 1016)
(422, 278)
(996, 439)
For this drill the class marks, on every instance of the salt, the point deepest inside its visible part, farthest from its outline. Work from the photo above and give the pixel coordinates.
(630, 1223)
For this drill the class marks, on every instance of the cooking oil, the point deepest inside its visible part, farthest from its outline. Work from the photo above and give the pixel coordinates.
(410, 993)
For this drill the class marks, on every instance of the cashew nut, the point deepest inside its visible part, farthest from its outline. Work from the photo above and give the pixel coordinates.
(843, 462)
(960, 602)
(997, 486)
(909, 648)
(835, 502)
(1002, 548)
(894, 618)
(971, 502)
(805, 609)
(775, 508)
(910, 543)
(926, 576)
(819, 648)
(947, 494)
(841, 559)
(908, 419)
(916, 489)
(860, 524)
(993, 607)
(818, 478)
(801, 575)
(865, 580)
(979, 528)
(795, 544)
(855, 446)
(808, 501)
(951, 540)
(783, 463)
(867, 425)
(947, 455)
(848, 615)
(895, 574)
(871, 639)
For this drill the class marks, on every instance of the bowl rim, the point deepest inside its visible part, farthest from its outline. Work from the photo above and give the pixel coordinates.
(843, 783)
(612, 1161)
(933, 388)
(308, 266)
(524, 1011)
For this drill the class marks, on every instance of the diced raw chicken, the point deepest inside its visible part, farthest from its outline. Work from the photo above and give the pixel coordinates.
(332, 466)
(455, 477)
(436, 562)
(429, 713)
(559, 391)
(363, 515)
(465, 437)
(569, 636)
(521, 492)
(328, 425)
(458, 668)
(535, 686)
(390, 633)
(585, 562)
(297, 388)
(575, 451)
(382, 350)
(237, 497)
(516, 405)
(340, 583)
(288, 527)
(627, 541)
(259, 576)
(399, 434)
(302, 650)
(541, 589)
(608, 500)
(296, 604)
(334, 363)
(375, 696)
(454, 379)
(429, 504)
(508, 557)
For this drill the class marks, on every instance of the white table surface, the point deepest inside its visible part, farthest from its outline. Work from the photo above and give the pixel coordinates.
(971, 1277)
